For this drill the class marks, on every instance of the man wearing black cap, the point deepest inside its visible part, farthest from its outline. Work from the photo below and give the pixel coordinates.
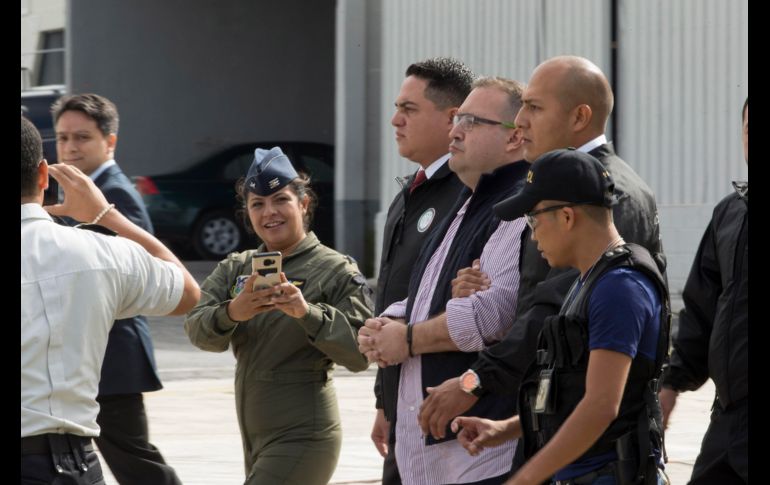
(567, 103)
(429, 97)
(587, 405)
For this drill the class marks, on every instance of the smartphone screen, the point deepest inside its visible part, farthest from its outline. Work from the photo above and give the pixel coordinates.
(51, 195)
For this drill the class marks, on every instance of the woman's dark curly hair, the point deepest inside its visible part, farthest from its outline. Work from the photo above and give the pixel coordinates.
(300, 186)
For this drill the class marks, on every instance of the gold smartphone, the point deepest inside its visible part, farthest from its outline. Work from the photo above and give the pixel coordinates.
(267, 267)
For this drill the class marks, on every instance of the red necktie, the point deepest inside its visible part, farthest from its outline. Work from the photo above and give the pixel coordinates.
(418, 180)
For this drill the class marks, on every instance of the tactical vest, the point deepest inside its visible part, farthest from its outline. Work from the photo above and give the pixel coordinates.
(563, 352)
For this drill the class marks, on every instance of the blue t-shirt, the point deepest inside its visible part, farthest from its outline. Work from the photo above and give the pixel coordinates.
(623, 316)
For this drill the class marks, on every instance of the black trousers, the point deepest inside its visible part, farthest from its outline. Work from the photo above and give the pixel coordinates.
(124, 442)
(724, 453)
(59, 459)
(390, 475)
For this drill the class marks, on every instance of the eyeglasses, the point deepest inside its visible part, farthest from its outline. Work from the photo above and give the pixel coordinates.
(466, 121)
(532, 222)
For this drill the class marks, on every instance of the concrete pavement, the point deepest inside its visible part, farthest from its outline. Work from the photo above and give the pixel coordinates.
(193, 423)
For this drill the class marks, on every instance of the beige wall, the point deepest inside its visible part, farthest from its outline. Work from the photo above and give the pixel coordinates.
(38, 16)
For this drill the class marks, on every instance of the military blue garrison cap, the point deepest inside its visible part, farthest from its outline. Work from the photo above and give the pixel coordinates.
(270, 171)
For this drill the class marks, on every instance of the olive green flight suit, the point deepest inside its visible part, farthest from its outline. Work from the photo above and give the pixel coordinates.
(286, 404)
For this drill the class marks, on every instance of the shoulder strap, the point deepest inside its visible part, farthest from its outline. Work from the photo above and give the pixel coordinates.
(96, 228)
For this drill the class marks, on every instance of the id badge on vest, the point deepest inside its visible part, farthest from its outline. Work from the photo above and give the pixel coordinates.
(546, 394)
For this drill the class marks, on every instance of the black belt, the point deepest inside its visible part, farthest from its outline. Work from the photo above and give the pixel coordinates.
(589, 477)
(40, 444)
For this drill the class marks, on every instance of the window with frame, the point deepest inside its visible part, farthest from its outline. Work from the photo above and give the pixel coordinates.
(51, 60)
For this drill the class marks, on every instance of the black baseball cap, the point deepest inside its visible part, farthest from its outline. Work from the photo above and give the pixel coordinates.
(270, 171)
(566, 175)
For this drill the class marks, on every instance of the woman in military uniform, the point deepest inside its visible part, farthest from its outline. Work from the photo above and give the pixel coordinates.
(285, 338)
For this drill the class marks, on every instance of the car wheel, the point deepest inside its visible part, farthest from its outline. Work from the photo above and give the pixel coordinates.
(216, 235)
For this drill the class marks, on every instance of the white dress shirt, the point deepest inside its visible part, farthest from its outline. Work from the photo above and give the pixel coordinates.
(433, 167)
(74, 285)
(101, 168)
(596, 142)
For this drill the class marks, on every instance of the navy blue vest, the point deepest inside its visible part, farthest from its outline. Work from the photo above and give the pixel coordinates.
(478, 224)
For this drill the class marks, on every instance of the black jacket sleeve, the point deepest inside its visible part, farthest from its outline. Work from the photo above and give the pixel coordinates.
(688, 366)
(502, 366)
(378, 389)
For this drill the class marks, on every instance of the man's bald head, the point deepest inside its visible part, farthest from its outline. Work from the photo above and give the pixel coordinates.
(580, 81)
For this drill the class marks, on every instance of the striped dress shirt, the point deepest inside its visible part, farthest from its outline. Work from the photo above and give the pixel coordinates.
(473, 322)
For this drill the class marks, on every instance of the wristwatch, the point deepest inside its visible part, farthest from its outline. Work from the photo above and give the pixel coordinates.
(470, 383)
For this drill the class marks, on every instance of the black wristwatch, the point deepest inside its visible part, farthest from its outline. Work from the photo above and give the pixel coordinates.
(470, 383)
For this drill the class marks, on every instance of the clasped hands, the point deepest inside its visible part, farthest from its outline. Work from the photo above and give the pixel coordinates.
(383, 340)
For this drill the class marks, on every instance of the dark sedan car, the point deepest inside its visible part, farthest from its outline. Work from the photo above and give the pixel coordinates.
(197, 206)
(36, 107)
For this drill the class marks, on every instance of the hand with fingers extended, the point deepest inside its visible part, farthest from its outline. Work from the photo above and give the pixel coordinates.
(470, 280)
(83, 200)
(250, 302)
(288, 299)
(475, 434)
(443, 403)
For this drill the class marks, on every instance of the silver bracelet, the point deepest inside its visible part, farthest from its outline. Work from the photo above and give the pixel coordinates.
(102, 213)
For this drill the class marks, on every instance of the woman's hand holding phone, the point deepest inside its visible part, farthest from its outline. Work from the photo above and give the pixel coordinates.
(250, 302)
(289, 299)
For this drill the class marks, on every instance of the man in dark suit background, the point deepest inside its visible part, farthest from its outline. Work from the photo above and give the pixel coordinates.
(86, 134)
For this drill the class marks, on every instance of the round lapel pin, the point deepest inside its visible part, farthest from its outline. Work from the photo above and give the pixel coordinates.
(423, 223)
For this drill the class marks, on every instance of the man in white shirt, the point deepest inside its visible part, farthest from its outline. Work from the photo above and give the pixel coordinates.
(86, 137)
(74, 284)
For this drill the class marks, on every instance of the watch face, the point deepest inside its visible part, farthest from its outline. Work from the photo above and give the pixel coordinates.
(469, 381)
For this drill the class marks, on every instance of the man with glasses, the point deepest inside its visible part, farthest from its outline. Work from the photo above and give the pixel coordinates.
(430, 95)
(433, 335)
(567, 103)
(592, 386)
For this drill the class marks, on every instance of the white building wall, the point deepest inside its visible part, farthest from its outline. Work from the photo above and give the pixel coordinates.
(683, 80)
(682, 69)
(493, 37)
(38, 16)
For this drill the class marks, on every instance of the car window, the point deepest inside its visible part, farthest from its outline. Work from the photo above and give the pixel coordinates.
(38, 110)
(319, 169)
(36, 107)
(238, 166)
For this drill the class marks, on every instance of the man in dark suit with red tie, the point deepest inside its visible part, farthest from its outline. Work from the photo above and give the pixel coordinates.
(430, 95)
